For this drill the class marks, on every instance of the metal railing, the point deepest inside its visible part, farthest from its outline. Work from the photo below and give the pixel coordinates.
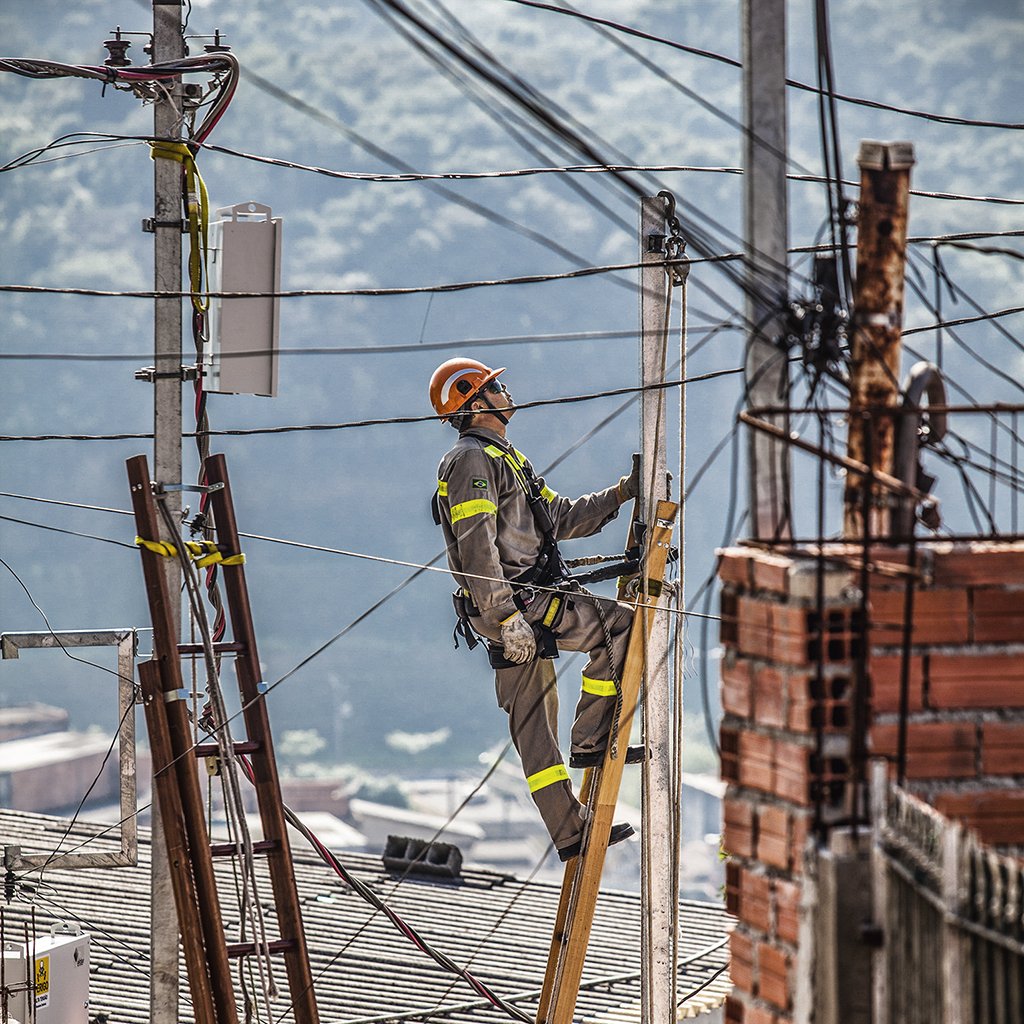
(952, 914)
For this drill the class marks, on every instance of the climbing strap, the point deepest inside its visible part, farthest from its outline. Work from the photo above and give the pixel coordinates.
(202, 552)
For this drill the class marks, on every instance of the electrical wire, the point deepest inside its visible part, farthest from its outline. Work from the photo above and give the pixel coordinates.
(793, 84)
(252, 431)
(309, 110)
(454, 286)
(129, 710)
(81, 138)
(562, 126)
(71, 533)
(140, 80)
(373, 350)
(56, 637)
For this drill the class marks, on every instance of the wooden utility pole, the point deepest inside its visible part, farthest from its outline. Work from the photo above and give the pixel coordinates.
(168, 44)
(767, 239)
(875, 345)
(660, 893)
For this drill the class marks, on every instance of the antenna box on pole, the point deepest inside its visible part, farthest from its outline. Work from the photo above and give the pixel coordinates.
(244, 256)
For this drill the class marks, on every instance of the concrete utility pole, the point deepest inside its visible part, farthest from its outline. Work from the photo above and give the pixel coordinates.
(168, 44)
(767, 234)
(875, 345)
(660, 894)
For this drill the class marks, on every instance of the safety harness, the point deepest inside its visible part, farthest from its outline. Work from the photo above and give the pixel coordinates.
(549, 569)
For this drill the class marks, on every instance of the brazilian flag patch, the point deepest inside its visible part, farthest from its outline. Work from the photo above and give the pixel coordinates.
(480, 483)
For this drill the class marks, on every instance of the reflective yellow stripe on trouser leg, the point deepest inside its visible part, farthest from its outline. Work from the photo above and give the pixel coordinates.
(598, 687)
(547, 777)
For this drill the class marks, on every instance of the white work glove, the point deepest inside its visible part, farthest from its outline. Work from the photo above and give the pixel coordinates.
(629, 486)
(518, 640)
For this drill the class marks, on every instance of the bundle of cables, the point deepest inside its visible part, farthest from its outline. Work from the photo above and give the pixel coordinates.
(141, 80)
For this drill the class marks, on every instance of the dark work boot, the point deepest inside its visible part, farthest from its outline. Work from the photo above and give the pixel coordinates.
(623, 830)
(593, 758)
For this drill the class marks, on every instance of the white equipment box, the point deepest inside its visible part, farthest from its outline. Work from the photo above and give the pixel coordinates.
(60, 977)
(244, 256)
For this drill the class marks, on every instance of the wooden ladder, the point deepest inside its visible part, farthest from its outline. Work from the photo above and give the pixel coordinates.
(600, 790)
(176, 778)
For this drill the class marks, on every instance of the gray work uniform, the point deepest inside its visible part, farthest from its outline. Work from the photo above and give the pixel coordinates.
(492, 539)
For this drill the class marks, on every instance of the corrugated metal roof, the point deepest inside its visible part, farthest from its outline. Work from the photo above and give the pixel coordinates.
(497, 926)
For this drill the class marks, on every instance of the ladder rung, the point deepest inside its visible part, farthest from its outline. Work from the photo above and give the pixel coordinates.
(230, 849)
(237, 949)
(212, 750)
(224, 647)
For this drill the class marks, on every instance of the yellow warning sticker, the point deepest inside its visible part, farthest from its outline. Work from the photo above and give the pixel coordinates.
(42, 981)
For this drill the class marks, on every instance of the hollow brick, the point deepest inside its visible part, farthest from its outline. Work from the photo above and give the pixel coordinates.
(735, 567)
(996, 815)
(741, 962)
(791, 779)
(769, 686)
(773, 837)
(771, 572)
(940, 617)
(980, 564)
(756, 901)
(756, 760)
(773, 969)
(885, 670)
(975, 681)
(1002, 748)
(759, 1015)
(735, 1009)
(935, 750)
(786, 900)
(739, 835)
(998, 616)
(736, 687)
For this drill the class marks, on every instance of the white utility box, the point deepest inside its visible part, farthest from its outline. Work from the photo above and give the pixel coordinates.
(60, 976)
(244, 256)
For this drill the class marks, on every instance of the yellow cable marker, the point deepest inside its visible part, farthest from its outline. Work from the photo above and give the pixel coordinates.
(198, 215)
(202, 552)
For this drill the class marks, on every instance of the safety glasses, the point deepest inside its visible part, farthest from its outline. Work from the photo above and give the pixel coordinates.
(493, 387)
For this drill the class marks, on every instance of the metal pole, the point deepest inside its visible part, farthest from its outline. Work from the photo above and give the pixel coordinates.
(767, 238)
(657, 897)
(875, 346)
(168, 44)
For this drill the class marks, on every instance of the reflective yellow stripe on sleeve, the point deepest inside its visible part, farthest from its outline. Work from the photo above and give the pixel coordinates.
(548, 495)
(468, 509)
(442, 488)
(547, 777)
(598, 687)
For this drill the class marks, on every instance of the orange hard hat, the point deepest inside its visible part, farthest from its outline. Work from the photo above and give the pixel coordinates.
(456, 381)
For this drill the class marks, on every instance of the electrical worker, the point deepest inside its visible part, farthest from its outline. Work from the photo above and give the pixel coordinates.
(501, 524)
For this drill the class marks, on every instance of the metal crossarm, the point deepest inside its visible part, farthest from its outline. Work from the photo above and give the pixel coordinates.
(600, 791)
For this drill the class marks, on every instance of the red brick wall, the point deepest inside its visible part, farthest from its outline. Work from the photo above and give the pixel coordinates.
(965, 729)
(965, 740)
